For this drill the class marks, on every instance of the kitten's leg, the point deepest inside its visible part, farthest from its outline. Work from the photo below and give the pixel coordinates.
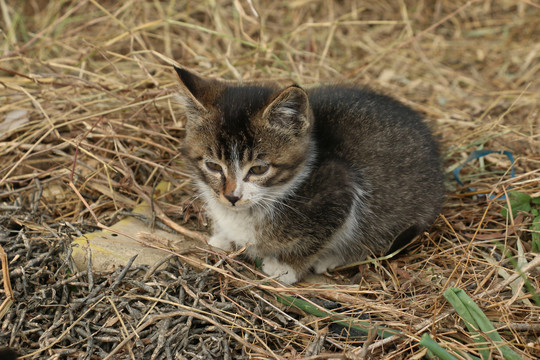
(221, 240)
(326, 263)
(299, 237)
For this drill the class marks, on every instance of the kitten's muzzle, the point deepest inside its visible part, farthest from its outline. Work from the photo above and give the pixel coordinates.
(232, 199)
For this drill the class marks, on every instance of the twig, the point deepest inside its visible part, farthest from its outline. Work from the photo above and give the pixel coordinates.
(155, 318)
(6, 304)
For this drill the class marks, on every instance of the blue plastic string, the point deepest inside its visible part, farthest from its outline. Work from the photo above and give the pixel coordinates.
(476, 154)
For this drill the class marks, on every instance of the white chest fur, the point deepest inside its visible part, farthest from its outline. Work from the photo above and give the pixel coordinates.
(231, 226)
(238, 228)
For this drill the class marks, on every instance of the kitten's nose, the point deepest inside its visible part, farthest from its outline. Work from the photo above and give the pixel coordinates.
(233, 199)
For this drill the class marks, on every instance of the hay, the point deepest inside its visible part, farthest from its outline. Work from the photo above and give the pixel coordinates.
(89, 84)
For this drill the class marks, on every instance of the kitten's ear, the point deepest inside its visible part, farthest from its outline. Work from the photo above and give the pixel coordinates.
(194, 92)
(289, 111)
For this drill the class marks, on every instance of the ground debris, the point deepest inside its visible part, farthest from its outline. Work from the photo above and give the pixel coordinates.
(87, 94)
(58, 312)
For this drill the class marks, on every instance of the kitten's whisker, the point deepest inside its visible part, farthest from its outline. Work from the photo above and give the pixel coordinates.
(270, 205)
(269, 209)
(302, 201)
(291, 197)
(194, 198)
(276, 203)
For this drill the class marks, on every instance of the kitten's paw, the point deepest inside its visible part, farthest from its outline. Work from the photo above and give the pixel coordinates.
(278, 270)
(327, 263)
(221, 242)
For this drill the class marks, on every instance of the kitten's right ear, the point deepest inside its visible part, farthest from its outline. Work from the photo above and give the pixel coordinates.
(194, 90)
(289, 111)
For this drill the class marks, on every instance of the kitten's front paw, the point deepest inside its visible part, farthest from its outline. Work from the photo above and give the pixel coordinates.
(278, 270)
(221, 242)
(327, 263)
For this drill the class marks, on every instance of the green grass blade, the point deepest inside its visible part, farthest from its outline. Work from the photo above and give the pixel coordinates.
(435, 348)
(451, 294)
(476, 320)
(535, 228)
(346, 321)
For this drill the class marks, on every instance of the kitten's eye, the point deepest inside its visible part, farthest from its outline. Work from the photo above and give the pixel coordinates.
(214, 167)
(259, 170)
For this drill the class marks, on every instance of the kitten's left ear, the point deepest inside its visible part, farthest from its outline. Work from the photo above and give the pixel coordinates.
(196, 93)
(289, 111)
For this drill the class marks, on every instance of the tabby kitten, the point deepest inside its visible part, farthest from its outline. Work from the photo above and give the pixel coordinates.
(308, 179)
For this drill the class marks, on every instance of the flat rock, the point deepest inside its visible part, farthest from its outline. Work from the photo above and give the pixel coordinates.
(129, 237)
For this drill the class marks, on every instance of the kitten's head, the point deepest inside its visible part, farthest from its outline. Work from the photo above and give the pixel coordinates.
(247, 145)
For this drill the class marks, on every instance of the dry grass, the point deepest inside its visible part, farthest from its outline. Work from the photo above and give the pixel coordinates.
(95, 81)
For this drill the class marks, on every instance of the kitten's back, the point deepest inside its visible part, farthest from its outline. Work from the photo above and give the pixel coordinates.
(393, 152)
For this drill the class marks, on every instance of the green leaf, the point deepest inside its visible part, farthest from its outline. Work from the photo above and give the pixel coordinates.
(437, 351)
(451, 294)
(476, 320)
(435, 348)
(519, 197)
(536, 200)
(518, 202)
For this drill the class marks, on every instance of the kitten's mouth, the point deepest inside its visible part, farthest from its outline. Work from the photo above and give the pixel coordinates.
(239, 207)
(236, 204)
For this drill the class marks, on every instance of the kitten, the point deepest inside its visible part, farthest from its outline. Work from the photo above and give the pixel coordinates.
(308, 179)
